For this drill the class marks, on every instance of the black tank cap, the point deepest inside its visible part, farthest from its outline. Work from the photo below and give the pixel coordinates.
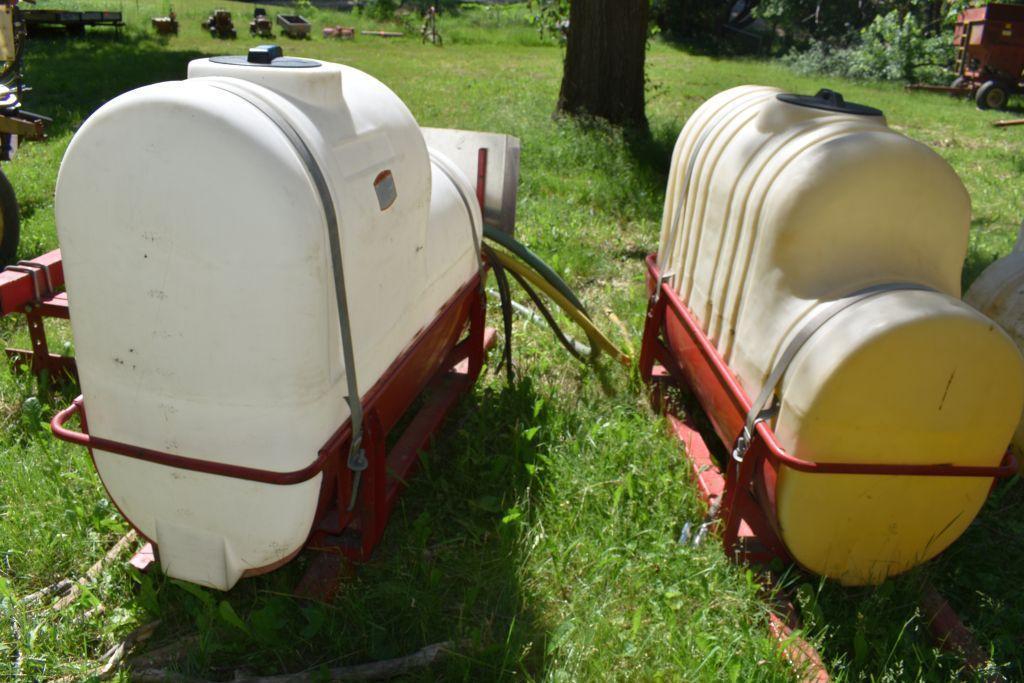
(829, 100)
(266, 55)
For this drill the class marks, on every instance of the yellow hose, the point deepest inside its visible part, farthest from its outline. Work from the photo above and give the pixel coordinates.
(595, 335)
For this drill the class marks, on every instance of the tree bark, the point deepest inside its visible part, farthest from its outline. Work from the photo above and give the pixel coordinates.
(604, 61)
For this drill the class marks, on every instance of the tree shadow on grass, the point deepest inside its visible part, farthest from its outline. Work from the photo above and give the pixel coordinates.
(448, 569)
(72, 77)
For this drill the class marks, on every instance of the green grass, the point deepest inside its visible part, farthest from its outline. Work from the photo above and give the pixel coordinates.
(541, 528)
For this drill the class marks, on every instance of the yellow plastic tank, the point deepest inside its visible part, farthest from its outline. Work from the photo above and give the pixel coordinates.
(780, 204)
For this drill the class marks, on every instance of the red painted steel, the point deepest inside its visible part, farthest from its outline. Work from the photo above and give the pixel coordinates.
(727, 404)
(436, 362)
(18, 288)
(456, 305)
(481, 176)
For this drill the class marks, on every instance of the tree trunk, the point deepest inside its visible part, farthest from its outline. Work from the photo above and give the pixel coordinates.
(604, 61)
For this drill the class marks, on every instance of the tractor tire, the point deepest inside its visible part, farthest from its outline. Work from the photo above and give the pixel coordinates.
(11, 226)
(992, 95)
(958, 82)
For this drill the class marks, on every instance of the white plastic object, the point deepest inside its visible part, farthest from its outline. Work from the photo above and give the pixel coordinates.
(774, 209)
(999, 293)
(205, 325)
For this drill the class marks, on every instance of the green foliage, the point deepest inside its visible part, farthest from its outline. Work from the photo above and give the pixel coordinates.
(550, 16)
(381, 9)
(892, 47)
(442, 6)
(697, 21)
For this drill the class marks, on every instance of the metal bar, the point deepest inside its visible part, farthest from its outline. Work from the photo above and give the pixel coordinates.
(481, 177)
(398, 370)
(178, 461)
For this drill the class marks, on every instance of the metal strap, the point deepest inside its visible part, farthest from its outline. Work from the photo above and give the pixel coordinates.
(760, 410)
(357, 457)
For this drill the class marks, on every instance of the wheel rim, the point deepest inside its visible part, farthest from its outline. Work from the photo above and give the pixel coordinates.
(995, 98)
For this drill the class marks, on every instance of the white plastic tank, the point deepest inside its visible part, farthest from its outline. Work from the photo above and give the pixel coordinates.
(196, 253)
(999, 293)
(779, 204)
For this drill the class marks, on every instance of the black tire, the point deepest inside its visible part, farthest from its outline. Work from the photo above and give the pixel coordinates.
(992, 95)
(958, 82)
(11, 228)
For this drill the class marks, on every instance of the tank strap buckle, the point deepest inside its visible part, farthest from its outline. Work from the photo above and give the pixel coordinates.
(662, 279)
(758, 412)
(746, 437)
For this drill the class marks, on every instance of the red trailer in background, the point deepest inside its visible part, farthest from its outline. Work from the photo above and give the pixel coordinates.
(989, 43)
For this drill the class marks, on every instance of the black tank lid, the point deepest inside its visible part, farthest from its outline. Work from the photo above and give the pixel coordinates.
(266, 55)
(829, 100)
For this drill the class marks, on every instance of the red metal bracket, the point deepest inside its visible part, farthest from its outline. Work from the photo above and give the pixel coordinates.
(31, 287)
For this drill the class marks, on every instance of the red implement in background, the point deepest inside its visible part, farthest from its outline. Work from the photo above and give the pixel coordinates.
(989, 45)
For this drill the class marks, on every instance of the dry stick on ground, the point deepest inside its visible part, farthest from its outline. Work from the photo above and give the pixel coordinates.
(94, 571)
(58, 588)
(371, 671)
(1008, 122)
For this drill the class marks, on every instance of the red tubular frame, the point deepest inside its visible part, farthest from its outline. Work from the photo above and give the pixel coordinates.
(435, 361)
(675, 346)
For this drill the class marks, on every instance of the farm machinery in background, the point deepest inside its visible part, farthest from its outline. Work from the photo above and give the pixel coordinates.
(260, 24)
(219, 24)
(167, 25)
(16, 124)
(989, 44)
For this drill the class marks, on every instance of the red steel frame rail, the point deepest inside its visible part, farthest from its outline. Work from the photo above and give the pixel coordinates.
(33, 288)
(689, 357)
(676, 350)
(436, 361)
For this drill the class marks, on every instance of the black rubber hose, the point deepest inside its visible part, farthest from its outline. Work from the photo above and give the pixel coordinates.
(569, 346)
(505, 294)
(534, 261)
